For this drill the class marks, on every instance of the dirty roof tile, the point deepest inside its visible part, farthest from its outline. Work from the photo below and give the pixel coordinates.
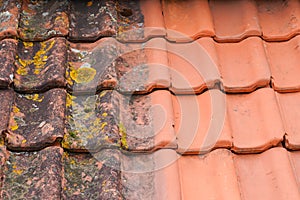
(259, 113)
(36, 120)
(244, 66)
(40, 65)
(146, 122)
(187, 21)
(234, 20)
(41, 20)
(209, 176)
(283, 58)
(201, 123)
(32, 175)
(269, 175)
(92, 176)
(6, 97)
(289, 105)
(92, 121)
(9, 18)
(193, 66)
(279, 20)
(7, 57)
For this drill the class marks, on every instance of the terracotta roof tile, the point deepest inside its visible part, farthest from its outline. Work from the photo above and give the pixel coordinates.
(9, 18)
(41, 20)
(36, 120)
(6, 97)
(33, 174)
(40, 65)
(7, 57)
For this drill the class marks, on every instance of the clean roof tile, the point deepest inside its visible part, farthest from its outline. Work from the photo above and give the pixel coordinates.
(9, 18)
(33, 175)
(187, 21)
(41, 20)
(7, 97)
(40, 65)
(234, 20)
(7, 57)
(279, 20)
(36, 120)
(284, 64)
(255, 121)
(243, 65)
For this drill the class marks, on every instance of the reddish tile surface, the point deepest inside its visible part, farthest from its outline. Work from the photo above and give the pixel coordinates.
(255, 121)
(8, 52)
(40, 65)
(283, 59)
(6, 97)
(36, 120)
(9, 18)
(32, 175)
(235, 20)
(187, 21)
(244, 66)
(41, 20)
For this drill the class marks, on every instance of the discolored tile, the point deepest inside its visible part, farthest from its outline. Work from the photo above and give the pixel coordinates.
(279, 20)
(7, 57)
(7, 97)
(31, 175)
(283, 59)
(255, 121)
(40, 65)
(187, 21)
(244, 66)
(41, 20)
(92, 176)
(235, 20)
(92, 121)
(36, 120)
(9, 18)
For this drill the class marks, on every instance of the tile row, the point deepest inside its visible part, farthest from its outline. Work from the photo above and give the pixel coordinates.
(110, 174)
(191, 124)
(140, 68)
(141, 20)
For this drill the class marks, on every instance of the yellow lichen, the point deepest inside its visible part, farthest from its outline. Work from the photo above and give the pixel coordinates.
(69, 100)
(28, 44)
(22, 71)
(122, 131)
(83, 75)
(15, 109)
(24, 141)
(17, 171)
(104, 114)
(34, 97)
(103, 125)
(90, 3)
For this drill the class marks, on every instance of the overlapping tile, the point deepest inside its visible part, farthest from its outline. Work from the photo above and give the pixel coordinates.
(9, 18)
(7, 97)
(32, 175)
(8, 52)
(283, 60)
(235, 20)
(41, 20)
(184, 21)
(40, 65)
(244, 66)
(36, 120)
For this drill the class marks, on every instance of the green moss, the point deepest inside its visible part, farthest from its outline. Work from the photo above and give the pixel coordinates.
(123, 134)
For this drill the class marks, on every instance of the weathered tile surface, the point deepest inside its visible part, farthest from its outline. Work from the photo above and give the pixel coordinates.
(40, 65)
(7, 57)
(6, 97)
(95, 176)
(33, 175)
(9, 18)
(41, 20)
(36, 120)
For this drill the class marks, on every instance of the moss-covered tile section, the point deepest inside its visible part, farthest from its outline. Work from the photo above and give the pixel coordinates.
(8, 49)
(94, 176)
(40, 65)
(33, 175)
(9, 18)
(92, 121)
(36, 120)
(41, 20)
(7, 97)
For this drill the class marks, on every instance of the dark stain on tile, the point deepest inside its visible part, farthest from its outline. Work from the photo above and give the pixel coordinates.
(7, 57)
(94, 176)
(33, 175)
(41, 20)
(36, 120)
(7, 97)
(9, 15)
(40, 65)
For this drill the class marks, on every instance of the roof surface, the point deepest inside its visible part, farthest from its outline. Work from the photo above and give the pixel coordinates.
(149, 99)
